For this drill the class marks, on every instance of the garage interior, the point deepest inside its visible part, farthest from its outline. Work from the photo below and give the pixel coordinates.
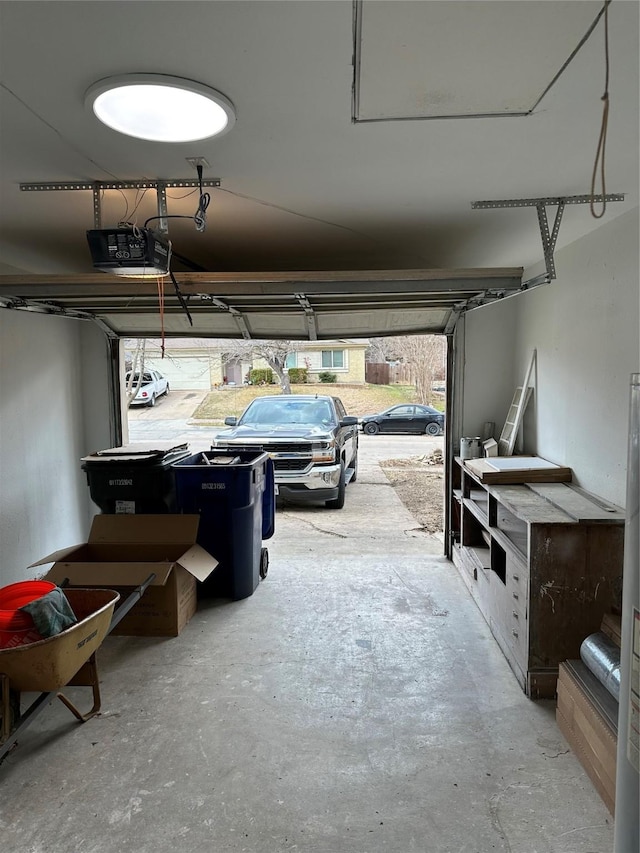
(394, 168)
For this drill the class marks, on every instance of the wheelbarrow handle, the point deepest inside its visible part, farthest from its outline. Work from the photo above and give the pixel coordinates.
(129, 601)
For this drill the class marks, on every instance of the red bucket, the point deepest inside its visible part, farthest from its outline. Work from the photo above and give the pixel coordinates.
(16, 627)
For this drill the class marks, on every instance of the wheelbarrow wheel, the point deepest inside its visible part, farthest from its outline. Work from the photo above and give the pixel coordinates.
(264, 563)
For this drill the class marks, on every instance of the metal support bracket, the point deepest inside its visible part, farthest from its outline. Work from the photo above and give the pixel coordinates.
(97, 188)
(161, 198)
(548, 239)
(309, 314)
(71, 186)
(237, 316)
(97, 209)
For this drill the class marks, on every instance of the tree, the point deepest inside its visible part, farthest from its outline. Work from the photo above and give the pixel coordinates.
(382, 349)
(275, 353)
(134, 378)
(425, 353)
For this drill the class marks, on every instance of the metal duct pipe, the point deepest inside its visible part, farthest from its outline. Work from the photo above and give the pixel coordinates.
(602, 657)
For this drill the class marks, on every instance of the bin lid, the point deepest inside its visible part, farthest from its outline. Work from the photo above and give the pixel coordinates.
(140, 453)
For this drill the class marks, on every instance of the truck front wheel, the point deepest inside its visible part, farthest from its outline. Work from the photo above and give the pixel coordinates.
(338, 501)
(354, 467)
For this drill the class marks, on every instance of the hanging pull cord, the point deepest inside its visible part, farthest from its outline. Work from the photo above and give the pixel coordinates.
(602, 141)
(181, 298)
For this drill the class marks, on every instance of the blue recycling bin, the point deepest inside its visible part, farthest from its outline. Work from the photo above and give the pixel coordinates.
(233, 492)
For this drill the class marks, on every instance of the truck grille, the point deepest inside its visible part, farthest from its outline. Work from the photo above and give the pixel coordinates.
(297, 457)
(287, 456)
(277, 447)
(291, 464)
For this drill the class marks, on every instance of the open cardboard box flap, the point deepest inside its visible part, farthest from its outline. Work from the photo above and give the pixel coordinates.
(175, 529)
(114, 533)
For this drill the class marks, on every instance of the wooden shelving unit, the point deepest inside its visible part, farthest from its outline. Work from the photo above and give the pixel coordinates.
(543, 561)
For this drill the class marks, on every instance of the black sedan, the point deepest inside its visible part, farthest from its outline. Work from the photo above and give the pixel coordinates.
(405, 418)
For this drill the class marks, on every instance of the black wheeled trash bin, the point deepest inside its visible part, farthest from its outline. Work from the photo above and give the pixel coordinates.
(134, 479)
(233, 492)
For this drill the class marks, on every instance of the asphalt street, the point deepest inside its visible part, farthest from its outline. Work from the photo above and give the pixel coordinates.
(170, 420)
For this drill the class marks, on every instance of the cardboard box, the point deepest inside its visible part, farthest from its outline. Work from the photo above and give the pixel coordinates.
(123, 550)
(585, 714)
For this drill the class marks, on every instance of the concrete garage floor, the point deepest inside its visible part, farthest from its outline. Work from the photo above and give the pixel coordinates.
(356, 702)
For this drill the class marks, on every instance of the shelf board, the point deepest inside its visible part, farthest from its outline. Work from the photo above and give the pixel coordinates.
(477, 511)
(529, 507)
(481, 555)
(579, 506)
(516, 546)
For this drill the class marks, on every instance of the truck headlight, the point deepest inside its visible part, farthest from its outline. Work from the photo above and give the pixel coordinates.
(325, 451)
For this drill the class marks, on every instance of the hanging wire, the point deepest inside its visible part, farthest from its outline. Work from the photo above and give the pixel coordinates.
(184, 195)
(602, 140)
(200, 216)
(167, 216)
(138, 200)
(126, 201)
(128, 219)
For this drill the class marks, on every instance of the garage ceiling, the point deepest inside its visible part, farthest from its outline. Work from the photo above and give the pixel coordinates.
(349, 153)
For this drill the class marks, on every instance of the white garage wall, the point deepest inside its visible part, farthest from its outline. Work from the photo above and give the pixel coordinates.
(53, 410)
(585, 328)
(488, 337)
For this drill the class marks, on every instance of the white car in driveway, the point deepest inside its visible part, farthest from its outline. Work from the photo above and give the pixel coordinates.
(150, 386)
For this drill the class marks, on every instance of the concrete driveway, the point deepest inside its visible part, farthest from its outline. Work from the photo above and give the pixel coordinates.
(372, 512)
(169, 419)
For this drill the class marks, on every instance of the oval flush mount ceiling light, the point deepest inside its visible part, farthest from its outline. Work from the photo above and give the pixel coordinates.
(160, 108)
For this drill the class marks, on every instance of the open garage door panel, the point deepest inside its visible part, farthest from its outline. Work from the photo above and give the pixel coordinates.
(287, 305)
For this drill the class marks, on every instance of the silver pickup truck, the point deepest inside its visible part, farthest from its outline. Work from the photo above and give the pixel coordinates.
(312, 441)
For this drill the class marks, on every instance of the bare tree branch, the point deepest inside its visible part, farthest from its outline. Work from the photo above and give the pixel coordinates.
(424, 353)
(275, 353)
(134, 380)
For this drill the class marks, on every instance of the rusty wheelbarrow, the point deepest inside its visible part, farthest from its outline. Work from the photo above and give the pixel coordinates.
(66, 659)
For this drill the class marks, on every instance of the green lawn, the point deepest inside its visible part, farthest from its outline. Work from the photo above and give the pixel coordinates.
(359, 400)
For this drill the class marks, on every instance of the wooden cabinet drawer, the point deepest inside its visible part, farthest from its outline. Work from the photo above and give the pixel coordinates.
(517, 590)
(517, 599)
(516, 618)
(517, 580)
(517, 635)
